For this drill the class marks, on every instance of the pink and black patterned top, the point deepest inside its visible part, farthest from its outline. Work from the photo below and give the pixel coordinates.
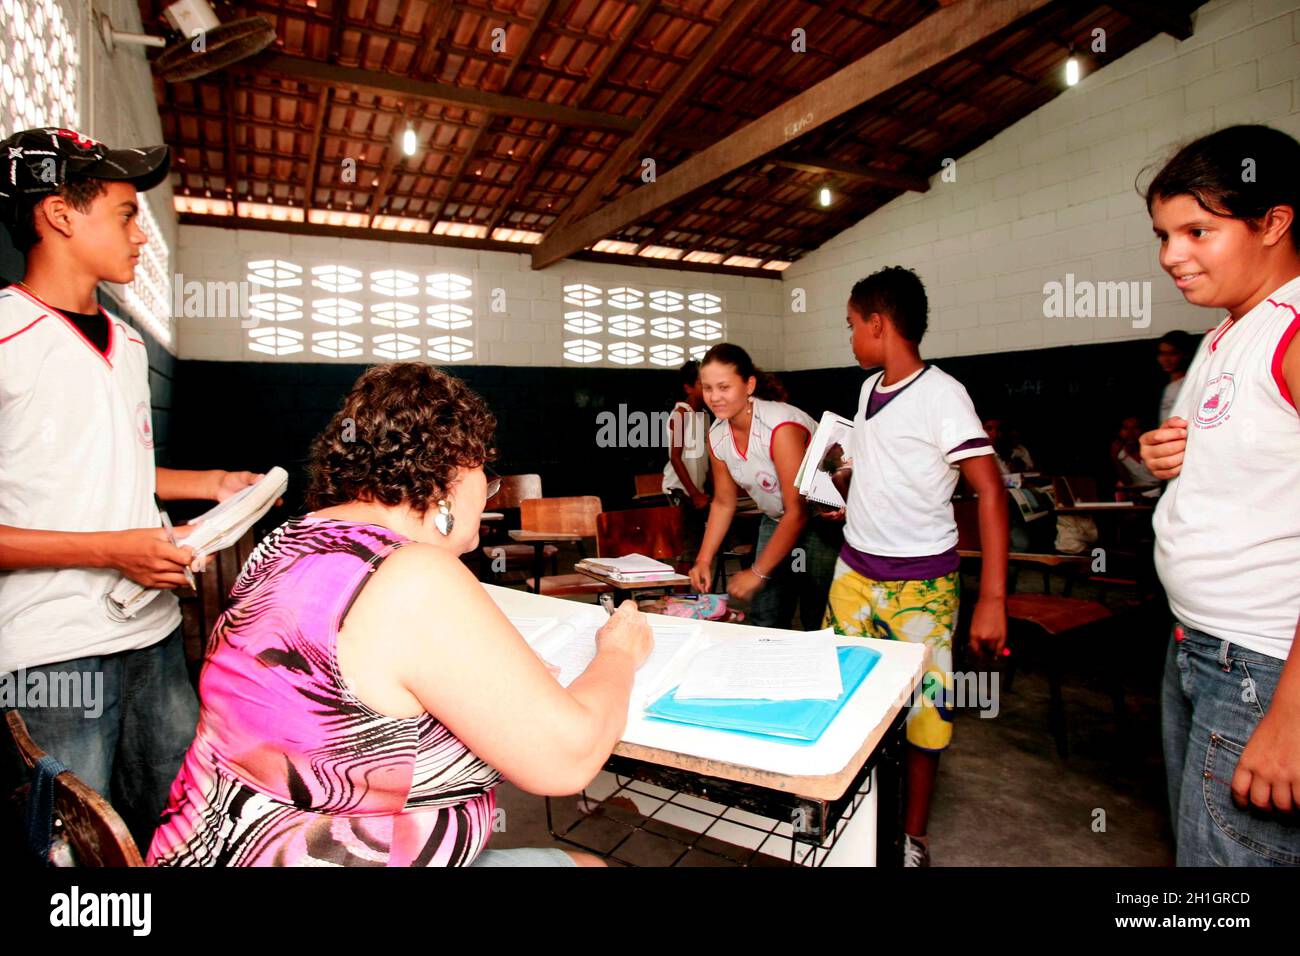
(287, 767)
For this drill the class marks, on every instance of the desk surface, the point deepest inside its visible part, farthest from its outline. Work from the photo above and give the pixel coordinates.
(823, 770)
(541, 537)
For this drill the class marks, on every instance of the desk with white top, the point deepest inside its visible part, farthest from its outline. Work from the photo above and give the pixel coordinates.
(823, 800)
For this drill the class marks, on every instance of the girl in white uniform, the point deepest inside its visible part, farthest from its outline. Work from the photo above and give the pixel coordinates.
(756, 446)
(1228, 525)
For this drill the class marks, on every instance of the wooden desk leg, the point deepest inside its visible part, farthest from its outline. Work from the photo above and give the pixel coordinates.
(889, 803)
(538, 548)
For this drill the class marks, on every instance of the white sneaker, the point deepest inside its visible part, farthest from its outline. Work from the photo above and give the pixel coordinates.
(915, 853)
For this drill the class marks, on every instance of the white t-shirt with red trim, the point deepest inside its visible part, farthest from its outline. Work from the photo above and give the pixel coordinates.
(1228, 527)
(686, 429)
(76, 454)
(755, 471)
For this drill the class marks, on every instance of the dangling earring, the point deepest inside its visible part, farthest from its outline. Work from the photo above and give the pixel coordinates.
(444, 520)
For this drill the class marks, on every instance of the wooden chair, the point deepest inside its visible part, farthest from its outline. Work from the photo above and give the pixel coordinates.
(649, 488)
(200, 610)
(655, 532)
(514, 490)
(98, 836)
(1074, 488)
(575, 515)
(1055, 616)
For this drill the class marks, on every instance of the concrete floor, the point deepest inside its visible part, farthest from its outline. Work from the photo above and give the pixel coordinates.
(1004, 797)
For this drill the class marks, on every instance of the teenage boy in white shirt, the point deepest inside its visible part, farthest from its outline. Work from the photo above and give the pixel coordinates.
(77, 479)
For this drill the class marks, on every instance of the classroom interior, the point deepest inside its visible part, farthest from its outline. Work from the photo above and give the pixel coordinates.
(560, 202)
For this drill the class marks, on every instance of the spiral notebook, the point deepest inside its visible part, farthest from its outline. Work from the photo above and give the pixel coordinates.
(815, 484)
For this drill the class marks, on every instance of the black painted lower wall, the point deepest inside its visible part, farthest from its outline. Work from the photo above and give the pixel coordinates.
(1066, 401)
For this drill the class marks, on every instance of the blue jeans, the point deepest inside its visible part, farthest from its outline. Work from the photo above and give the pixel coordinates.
(803, 579)
(130, 745)
(1215, 694)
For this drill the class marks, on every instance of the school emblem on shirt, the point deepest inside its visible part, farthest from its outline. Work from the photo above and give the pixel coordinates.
(767, 481)
(1216, 400)
(143, 427)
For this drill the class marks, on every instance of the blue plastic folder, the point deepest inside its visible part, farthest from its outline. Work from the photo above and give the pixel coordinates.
(799, 722)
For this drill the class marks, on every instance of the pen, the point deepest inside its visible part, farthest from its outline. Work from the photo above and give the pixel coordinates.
(171, 536)
(607, 602)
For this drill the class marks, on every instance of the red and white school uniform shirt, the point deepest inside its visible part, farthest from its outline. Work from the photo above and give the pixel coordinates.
(754, 471)
(1228, 527)
(76, 454)
(686, 430)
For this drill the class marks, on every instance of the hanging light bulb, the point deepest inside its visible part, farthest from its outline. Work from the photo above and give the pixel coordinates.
(1072, 70)
(408, 142)
(824, 195)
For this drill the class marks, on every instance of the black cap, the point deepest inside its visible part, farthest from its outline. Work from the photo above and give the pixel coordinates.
(37, 162)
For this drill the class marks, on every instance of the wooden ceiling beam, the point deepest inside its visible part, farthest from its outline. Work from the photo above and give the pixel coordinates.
(870, 174)
(1158, 16)
(937, 38)
(408, 88)
(735, 22)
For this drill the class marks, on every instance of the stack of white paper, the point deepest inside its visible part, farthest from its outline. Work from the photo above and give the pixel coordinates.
(777, 667)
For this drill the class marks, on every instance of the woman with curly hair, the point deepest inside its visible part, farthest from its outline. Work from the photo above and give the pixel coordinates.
(363, 695)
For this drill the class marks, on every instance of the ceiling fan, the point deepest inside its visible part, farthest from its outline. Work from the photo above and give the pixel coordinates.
(201, 43)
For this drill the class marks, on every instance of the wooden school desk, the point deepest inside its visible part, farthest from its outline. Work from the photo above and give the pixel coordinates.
(826, 800)
(622, 590)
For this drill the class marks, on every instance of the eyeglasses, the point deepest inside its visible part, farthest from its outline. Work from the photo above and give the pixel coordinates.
(493, 486)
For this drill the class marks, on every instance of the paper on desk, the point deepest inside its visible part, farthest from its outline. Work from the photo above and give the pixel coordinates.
(776, 667)
(570, 645)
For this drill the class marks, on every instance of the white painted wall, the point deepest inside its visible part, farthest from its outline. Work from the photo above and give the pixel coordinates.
(1054, 194)
(529, 332)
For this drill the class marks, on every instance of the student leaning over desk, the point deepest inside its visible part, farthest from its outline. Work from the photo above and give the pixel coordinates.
(897, 576)
(756, 446)
(77, 474)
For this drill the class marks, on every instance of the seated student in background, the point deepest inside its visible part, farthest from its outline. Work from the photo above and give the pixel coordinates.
(77, 477)
(1133, 479)
(756, 446)
(363, 695)
(688, 457)
(897, 577)
(1174, 352)
(1009, 453)
(1228, 525)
